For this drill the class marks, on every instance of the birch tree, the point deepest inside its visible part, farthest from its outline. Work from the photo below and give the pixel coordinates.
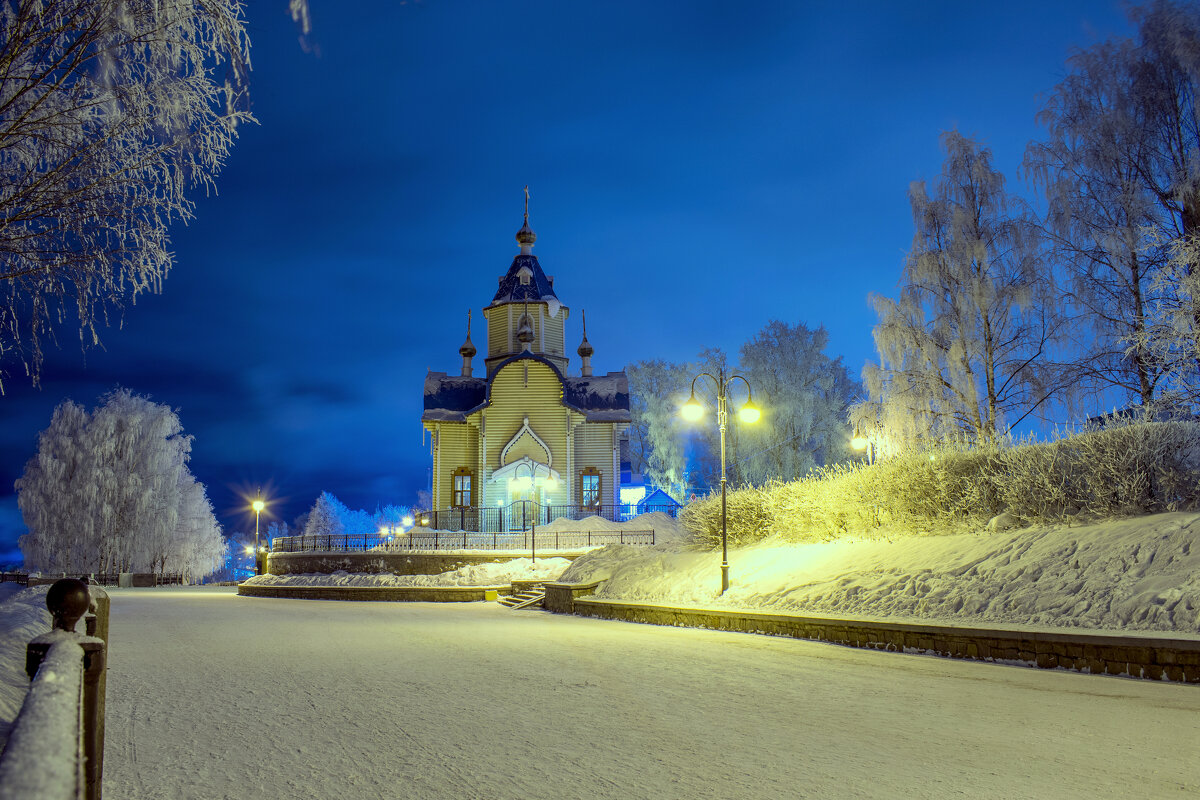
(110, 491)
(965, 350)
(1121, 171)
(804, 395)
(656, 437)
(111, 113)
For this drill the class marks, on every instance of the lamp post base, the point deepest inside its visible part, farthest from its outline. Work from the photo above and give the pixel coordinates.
(724, 576)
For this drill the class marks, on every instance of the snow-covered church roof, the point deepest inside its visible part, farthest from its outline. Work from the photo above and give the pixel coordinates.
(600, 398)
(537, 288)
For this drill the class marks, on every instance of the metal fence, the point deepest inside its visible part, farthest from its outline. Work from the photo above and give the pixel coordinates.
(434, 540)
(522, 515)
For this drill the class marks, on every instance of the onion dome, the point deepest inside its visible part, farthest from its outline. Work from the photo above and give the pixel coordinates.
(585, 347)
(468, 347)
(526, 237)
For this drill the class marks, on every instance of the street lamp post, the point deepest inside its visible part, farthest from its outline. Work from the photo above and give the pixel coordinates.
(549, 484)
(861, 442)
(258, 505)
(749, 412)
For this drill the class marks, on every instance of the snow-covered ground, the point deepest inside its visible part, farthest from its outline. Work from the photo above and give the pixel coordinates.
(211, 695)
(23, 616)
(1138, 574)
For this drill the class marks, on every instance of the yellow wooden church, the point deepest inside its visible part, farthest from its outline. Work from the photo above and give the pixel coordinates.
(526, 435)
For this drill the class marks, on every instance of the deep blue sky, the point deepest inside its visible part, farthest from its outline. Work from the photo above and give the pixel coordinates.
(696, 170)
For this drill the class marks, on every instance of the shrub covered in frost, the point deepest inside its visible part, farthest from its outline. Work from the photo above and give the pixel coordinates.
(1138, 468)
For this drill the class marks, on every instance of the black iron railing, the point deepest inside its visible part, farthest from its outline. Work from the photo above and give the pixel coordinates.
(522, 515)
(433, 540)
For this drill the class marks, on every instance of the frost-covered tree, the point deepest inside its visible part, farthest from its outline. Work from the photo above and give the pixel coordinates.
(804, 395)
(656, 439)
(1121, 170)
(111, 112)
(965, 349)
(325, 517)
(331, 516)
(110, 491)
(390, 516)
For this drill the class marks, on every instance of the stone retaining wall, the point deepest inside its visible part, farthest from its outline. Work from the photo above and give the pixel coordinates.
(413, 594)
(377, 563)
(1134, 656)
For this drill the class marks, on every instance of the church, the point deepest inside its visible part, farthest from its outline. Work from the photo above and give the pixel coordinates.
(525, 437)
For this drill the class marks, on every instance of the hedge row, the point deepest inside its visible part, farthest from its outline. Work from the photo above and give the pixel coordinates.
(1139, 468)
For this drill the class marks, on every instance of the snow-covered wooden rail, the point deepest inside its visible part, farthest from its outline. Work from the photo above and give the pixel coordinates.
(55, 749)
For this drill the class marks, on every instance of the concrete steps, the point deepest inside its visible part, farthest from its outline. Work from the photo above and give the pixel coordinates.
(532, 597)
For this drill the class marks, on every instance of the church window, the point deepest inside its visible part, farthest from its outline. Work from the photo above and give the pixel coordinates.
(464, 496)
(589, 488)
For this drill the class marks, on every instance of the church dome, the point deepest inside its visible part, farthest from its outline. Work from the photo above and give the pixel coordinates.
(468, 348)
(526, 237)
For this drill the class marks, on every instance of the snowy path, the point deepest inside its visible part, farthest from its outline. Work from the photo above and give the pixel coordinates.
(216, 696)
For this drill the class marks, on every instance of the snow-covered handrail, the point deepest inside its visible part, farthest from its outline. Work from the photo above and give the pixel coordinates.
(56, 745)
(44, 755)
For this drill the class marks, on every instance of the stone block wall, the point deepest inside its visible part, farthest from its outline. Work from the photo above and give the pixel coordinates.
(1134, 656)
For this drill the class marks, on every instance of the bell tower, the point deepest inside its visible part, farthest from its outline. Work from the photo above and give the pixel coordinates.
(525, 316)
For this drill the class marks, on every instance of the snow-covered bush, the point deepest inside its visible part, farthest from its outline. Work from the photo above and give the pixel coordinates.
(110, 491)
(1138, 468)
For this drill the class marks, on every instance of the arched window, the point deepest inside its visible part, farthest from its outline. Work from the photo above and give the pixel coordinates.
(463, 489)
(589, 487)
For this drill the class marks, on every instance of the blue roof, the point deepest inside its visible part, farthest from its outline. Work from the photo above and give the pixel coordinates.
(511, 289)
(658, 499)
(601, 398)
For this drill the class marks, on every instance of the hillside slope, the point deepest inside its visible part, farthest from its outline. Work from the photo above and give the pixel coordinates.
(1138, 574)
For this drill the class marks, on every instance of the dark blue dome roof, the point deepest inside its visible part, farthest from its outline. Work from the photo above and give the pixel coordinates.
(513, 291)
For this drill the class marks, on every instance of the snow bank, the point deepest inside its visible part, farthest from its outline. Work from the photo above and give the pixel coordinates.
(23, 616)
(499, 574)
(666, 529)
(1132, 574)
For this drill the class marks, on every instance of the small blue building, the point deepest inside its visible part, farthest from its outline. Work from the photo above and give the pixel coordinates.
(658, 500)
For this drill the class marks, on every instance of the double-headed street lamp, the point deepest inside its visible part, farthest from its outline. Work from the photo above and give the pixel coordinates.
(549, 483)
(258, 505)
(692, 411)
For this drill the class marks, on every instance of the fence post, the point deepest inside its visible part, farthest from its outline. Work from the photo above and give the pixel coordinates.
(67, 601)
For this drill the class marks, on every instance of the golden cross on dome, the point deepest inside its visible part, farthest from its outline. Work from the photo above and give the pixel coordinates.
(527, 204)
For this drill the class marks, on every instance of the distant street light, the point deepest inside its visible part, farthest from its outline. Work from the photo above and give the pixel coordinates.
(692, 411)
(258, 505)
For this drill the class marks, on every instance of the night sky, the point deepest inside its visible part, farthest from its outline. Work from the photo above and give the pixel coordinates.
(695, 171)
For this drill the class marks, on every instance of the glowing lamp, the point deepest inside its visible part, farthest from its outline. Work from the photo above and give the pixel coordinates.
(249, 549)
(749, 412)
(550, 483)
(258, 506)
(859, 442)
(407, 522)
(692, 411)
